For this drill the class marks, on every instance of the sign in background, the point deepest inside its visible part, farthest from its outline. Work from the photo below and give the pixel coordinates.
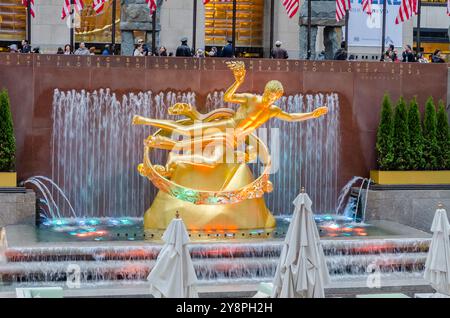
(365, 30)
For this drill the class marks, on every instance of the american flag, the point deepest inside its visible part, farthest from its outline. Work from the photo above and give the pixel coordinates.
(25, 4)
(342, 6)
(367, 6)
(291, 7)
(98, 5)
(67, 5)
(151, 6)
(448, 7)
(407, 9)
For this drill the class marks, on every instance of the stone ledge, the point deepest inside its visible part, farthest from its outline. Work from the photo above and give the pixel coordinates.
(17, 208)
(414, 208)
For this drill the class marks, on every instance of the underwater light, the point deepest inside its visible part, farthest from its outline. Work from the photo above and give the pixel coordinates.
(332, 226)
(58, 222)
(92, 221)
(125, 221)
(113, 222)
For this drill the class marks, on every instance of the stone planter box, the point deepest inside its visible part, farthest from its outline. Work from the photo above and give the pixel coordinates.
(8, 179)
(17, 208)
(411, 177)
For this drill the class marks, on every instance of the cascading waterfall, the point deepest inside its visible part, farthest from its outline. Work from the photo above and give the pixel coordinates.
(351, 209)
(309, 153)
(95, 151)
(399, 258)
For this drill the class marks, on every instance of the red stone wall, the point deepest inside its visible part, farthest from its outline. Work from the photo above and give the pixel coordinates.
(31, 80)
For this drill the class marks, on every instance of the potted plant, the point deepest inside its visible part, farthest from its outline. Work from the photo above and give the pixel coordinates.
(409, 151)
(8, 177)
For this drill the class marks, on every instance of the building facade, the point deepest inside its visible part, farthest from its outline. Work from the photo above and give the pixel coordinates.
(214, 23)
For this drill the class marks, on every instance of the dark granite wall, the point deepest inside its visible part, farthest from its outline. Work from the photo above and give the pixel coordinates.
(31, 80)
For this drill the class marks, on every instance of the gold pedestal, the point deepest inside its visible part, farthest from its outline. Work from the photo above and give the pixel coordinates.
(245, 215)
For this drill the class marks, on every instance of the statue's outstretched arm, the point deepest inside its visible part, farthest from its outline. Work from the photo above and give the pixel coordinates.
(238, 69)
(278, 113)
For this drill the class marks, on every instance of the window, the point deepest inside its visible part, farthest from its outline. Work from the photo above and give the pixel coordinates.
(13, 20)
(97, 28)
(249, 22)
(426, 2)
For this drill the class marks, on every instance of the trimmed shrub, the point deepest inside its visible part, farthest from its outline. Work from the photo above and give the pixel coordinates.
(7, 139)
(401, 136)
(443, 138)
(385, 136)
(430, 146)
(415, 152)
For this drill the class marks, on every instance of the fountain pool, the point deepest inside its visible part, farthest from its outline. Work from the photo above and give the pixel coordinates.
(131, 229)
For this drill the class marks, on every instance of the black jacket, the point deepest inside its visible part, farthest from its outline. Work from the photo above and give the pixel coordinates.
(437, 59)
(408, 57)
(227, 51)
(279, 53)
(183, 50)
(340, 55)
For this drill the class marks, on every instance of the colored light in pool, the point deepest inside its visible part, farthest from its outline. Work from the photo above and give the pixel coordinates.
(328, 217)
(58, 222)
(332, 226)
(113, 221)
(126, 221)
(88, 234)
(93, 221)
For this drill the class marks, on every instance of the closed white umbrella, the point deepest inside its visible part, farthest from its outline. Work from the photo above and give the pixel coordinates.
(302, 271)
(437, 265)
(173, 275)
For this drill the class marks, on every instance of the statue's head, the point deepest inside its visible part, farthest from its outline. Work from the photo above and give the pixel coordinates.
(273, 91)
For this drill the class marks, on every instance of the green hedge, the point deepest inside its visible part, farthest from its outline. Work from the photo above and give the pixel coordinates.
(430, 146)
(385, 136)
(405, 142)
(443, 137)
(415, 153)
(7, 139)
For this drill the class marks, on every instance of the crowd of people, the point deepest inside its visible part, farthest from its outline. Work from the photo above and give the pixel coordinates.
(408, 55)
(392, 55)
(278, 52)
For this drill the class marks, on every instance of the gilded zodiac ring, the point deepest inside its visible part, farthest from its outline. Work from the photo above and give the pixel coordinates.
(158, 175)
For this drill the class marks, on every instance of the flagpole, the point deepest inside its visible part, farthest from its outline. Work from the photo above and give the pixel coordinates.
(234, 27)
(154, 32)
(113, 25)
(194, 25)
(347, 17)
(29, 21)
(308, 49)
(72, 25)
(383, 34)
(272, 22)
(419, 10)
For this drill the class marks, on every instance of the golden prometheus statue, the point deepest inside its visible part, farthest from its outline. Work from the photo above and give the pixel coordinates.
(206, 177)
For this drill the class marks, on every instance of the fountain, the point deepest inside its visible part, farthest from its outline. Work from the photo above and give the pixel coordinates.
(94, 201)
(99, 186)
